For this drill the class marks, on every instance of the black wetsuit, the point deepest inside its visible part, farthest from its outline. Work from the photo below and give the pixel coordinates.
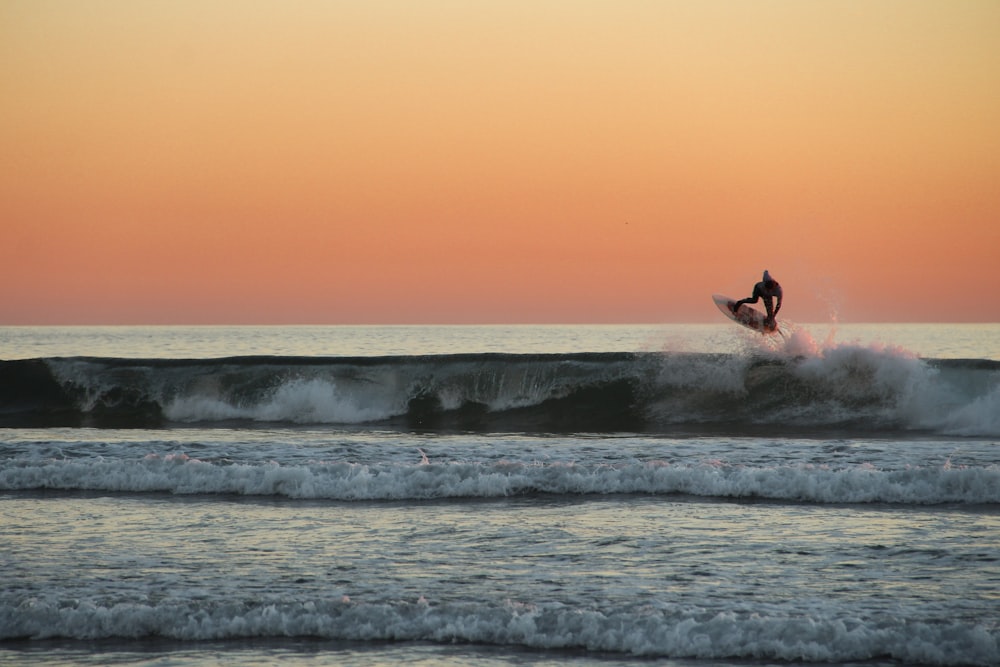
(762, 291)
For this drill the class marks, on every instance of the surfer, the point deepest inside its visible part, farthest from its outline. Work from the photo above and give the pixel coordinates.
(767, 289)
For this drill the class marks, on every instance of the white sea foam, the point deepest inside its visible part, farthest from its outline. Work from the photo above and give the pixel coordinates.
(664, 630)
(892, 383)
(300, 400)
(350, 481)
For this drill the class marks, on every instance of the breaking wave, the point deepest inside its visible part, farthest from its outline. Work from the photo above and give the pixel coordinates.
(345, 481)
(850, 388)
(787, 633)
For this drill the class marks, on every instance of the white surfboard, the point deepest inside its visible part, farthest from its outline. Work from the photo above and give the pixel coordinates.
(747, 316)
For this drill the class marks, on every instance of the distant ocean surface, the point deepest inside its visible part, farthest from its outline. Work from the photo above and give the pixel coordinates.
(500, 495)
(952, 341)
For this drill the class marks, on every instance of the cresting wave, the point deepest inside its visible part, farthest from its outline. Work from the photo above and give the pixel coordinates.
(846, 387)
(672, 631)
(344, 481)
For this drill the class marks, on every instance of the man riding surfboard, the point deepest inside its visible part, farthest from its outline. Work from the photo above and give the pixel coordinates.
(768, 289)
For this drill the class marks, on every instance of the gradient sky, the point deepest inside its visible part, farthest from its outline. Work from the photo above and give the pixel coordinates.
(450, 161)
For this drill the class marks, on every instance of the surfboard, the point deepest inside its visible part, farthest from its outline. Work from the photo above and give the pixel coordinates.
(749, 317)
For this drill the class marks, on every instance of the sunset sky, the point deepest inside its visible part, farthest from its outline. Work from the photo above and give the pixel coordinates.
(453, 161)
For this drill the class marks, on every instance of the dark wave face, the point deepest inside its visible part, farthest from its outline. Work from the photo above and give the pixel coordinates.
(848, 389)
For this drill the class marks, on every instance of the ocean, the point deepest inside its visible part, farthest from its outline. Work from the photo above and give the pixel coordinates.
(683, 495)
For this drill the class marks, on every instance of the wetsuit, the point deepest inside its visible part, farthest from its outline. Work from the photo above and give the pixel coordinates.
(762, 291)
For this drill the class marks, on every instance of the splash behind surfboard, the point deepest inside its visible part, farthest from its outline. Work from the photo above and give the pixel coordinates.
(747, 316)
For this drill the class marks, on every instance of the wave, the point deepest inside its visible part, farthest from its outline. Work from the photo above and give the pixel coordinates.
(845, 387)
(784, 633)
(345, 481)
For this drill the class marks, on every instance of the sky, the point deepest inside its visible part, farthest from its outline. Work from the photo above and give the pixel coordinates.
(523, 161)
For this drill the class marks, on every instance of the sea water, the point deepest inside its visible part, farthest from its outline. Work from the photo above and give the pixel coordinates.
(688, 494)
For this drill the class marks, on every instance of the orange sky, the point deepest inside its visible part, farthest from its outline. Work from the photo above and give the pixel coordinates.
(389, 161)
